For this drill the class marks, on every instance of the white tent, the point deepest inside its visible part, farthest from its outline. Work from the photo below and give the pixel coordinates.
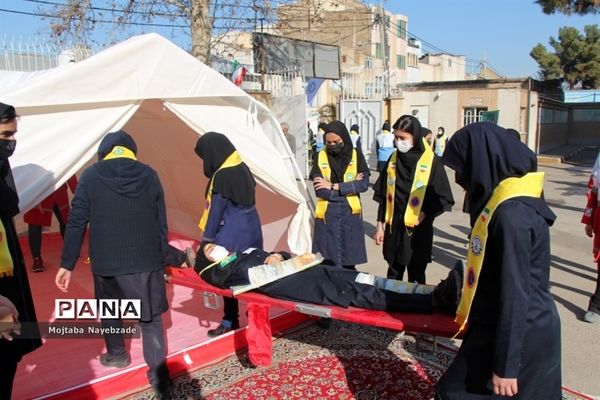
(165, 99)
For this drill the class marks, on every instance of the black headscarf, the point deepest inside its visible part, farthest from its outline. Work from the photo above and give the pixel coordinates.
(339, 162)
(407, 162)
(482, 155)
(9, 199)
(386, 126)
(235, 183)
(354, 128)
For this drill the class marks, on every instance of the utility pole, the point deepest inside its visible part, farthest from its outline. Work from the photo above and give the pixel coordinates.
(386, 68)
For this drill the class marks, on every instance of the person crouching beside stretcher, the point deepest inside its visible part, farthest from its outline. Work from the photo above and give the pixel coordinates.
(299, 279)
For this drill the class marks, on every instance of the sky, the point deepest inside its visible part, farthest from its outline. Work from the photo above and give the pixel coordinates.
(502, 31)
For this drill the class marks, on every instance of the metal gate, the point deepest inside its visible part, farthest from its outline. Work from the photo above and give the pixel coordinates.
(367, 114)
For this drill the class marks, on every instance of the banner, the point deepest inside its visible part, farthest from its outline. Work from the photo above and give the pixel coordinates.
(312, 87)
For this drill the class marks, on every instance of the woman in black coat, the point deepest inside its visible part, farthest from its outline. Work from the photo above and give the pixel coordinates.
(339, 173)
(409, 246)
(512, 343)
(14, 284)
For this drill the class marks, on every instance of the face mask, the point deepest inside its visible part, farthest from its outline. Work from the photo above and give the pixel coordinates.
(335, 148)
(7, 148)
(403, 145)
(218, 254)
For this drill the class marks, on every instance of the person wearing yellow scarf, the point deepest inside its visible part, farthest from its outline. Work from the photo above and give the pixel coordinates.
(412, 190)
(16, 302)
(511, 325)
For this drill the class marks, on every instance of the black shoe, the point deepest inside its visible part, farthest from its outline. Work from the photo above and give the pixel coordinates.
(162, 391)
(222, 329)
(38, 264)
(447, 292)
(120, 361)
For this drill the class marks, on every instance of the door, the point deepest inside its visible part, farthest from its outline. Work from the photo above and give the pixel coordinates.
(367, 114)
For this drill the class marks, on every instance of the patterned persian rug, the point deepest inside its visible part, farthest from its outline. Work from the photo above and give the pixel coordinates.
(346, 361)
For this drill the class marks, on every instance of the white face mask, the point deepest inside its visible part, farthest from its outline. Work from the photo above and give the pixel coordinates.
(218, 254)
(403, 145)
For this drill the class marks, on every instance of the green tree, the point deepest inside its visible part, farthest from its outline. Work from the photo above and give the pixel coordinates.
(568, 7)
(576, 57)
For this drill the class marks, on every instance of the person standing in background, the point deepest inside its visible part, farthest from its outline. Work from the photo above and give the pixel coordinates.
(439, 141)
(291, 139)
(41, 215)
(385, 146)
(355, 136)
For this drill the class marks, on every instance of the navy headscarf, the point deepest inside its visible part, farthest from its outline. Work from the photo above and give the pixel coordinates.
(482, 155)
(235, 183)
(124, 176)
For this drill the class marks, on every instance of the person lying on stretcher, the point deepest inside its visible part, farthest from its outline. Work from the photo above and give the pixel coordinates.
(304, 279)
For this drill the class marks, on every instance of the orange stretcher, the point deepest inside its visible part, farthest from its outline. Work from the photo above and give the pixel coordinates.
(258, 332)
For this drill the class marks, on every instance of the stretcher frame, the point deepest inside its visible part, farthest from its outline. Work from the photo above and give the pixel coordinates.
(435, 324)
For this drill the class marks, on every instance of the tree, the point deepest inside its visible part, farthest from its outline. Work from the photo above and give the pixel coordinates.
(81, 20)
(576, 57)
(568, 7)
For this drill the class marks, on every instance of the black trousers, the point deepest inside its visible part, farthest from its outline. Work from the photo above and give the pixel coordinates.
(8, 369)
(34, 233)
(416, 271)
(153, 338)
(231, 310)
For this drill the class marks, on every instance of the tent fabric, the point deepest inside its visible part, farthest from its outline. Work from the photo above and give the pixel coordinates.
(165, 99)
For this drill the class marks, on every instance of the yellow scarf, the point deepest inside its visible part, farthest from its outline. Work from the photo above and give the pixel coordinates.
(349, 176)
(417, 190)
(529, 185)
(6, 262)
(120, 152)
(231, 161)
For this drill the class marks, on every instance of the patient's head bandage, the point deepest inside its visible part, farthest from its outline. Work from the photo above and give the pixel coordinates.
(218, 254)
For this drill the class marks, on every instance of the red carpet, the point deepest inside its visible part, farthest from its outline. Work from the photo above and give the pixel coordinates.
(346, 361)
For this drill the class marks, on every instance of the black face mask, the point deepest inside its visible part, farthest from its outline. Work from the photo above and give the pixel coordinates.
(335, 148)
(7, 148)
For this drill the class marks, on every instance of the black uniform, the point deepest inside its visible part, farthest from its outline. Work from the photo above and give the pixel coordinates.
(399, 248)
(513, 328)
(16, 287)
(321, 284)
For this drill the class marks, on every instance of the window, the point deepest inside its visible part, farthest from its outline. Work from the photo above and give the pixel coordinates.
(472, 114)
(413, 60)
(368, 63)
(401, 62)
(378, 51)
(378, 84)
(449, 63)
(401, 29)
(368, 89)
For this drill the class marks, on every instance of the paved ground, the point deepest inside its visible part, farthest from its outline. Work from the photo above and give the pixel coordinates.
(573, 272)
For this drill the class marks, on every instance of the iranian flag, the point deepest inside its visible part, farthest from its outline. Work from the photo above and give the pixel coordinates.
(238, 74)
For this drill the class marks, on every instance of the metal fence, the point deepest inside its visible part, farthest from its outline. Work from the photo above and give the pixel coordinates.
(33, 54)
